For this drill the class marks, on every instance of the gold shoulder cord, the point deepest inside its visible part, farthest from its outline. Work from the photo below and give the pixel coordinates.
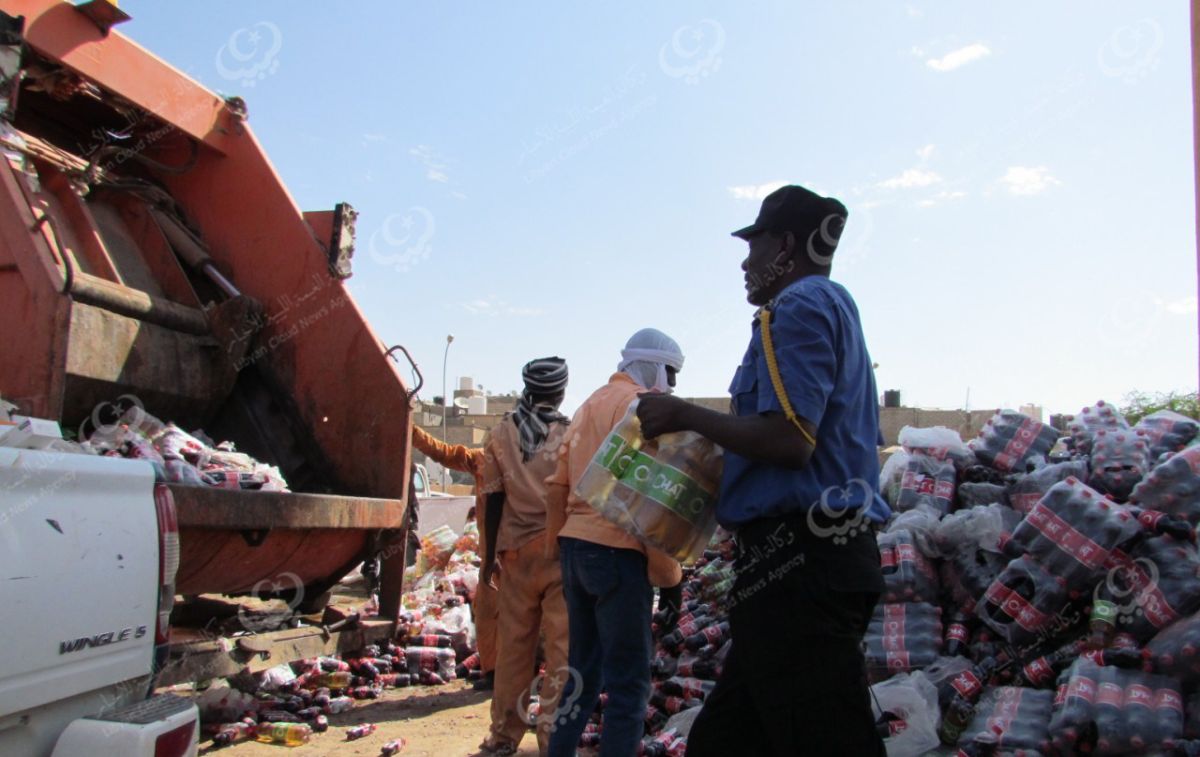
(764, 321)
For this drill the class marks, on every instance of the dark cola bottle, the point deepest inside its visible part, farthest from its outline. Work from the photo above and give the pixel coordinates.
(1119, 462)
(713, 634)
(966, 685)
(696, 667)
(955, 719)
(1073, 719)
(688, 688)
(1173, 486)
(1108, 712)
(1167, 432)
(686, 626)
(1140, 725)
(1168, 711)
(957, 635)
(1126, 658)
(1041, 671)
(1164, 524)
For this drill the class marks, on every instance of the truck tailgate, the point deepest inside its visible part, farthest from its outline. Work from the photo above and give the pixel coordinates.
(78, 574)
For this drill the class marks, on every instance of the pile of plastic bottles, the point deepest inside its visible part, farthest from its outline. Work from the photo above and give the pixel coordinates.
(180, 457)
(1063, 616)
(287, 704)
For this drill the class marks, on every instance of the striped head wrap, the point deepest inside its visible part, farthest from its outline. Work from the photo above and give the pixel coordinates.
(544, 377)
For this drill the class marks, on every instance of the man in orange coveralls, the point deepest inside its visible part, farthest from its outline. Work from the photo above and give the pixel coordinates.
(470, 460)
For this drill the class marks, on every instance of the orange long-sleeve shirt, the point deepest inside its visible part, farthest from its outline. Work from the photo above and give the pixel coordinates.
(454, 456)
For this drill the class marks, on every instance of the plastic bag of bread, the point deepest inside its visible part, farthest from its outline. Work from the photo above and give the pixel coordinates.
(664, 492)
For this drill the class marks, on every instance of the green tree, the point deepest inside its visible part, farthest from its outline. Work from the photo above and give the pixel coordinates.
(1140, 404)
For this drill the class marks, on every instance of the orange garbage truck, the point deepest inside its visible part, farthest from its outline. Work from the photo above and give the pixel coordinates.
(150, 254)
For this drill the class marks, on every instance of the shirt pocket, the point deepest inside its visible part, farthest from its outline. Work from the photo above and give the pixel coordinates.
(744, 390)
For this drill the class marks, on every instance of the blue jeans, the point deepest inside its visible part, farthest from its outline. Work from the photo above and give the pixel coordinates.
(608, 606)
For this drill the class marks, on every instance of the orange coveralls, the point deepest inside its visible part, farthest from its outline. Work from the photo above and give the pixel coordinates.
(468, 460)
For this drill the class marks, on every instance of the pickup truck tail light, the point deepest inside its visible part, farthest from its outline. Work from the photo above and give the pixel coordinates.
(168, 559)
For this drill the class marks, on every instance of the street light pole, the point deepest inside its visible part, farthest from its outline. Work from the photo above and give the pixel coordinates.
(445, 404)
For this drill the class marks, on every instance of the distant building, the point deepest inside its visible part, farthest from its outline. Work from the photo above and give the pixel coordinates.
(968, 424)
(468, 420)
(465, 427)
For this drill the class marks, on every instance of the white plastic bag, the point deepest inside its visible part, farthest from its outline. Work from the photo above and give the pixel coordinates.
(982, 525)
(912, 698)
(682, 721)
(891, 474)
(922, 522)
(273, 678)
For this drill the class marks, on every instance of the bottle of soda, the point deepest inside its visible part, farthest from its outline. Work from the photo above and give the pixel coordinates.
(392, 747)
(695, 667)
(688, 688)
(1141, 722)
(1075, 715)
(1168, 710)
(955, 720)
(714, 633)
(232, 733)
(1107, 712)
(957, 635)
(1042, 670)
(360, 731)
(289, 734)
(1102, 625)
(332, 665)
(1128, 658)
(338, 679)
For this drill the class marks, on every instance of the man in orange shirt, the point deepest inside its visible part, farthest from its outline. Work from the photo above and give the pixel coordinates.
(607, 574)
(521, 452)
(470, 460)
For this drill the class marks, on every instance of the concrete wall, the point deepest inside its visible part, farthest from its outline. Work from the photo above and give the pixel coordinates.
(892, 419)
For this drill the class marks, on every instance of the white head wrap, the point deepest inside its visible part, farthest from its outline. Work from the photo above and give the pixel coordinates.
(646, 357)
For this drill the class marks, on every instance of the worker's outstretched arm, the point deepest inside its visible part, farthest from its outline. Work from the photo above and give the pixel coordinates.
(454, 456)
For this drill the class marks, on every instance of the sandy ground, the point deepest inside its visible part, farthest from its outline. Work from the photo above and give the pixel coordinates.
(437, 721)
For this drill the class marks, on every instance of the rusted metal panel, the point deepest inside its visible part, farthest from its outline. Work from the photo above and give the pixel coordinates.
(214, 658)
(229, 561)
(317, 343)
(227, 508)
(137, 304)
(172, 373)
(55, 29)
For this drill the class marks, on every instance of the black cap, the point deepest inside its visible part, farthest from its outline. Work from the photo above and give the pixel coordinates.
(802, 212)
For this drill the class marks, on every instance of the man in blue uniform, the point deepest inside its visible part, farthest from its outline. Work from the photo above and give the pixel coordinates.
(799, 491)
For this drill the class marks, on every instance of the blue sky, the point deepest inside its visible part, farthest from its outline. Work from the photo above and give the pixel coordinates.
(547, 178)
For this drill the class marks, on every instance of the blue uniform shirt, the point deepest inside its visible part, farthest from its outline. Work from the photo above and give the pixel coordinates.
(826, 370)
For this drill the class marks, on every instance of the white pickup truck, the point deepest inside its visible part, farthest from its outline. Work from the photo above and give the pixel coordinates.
(88, 553)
